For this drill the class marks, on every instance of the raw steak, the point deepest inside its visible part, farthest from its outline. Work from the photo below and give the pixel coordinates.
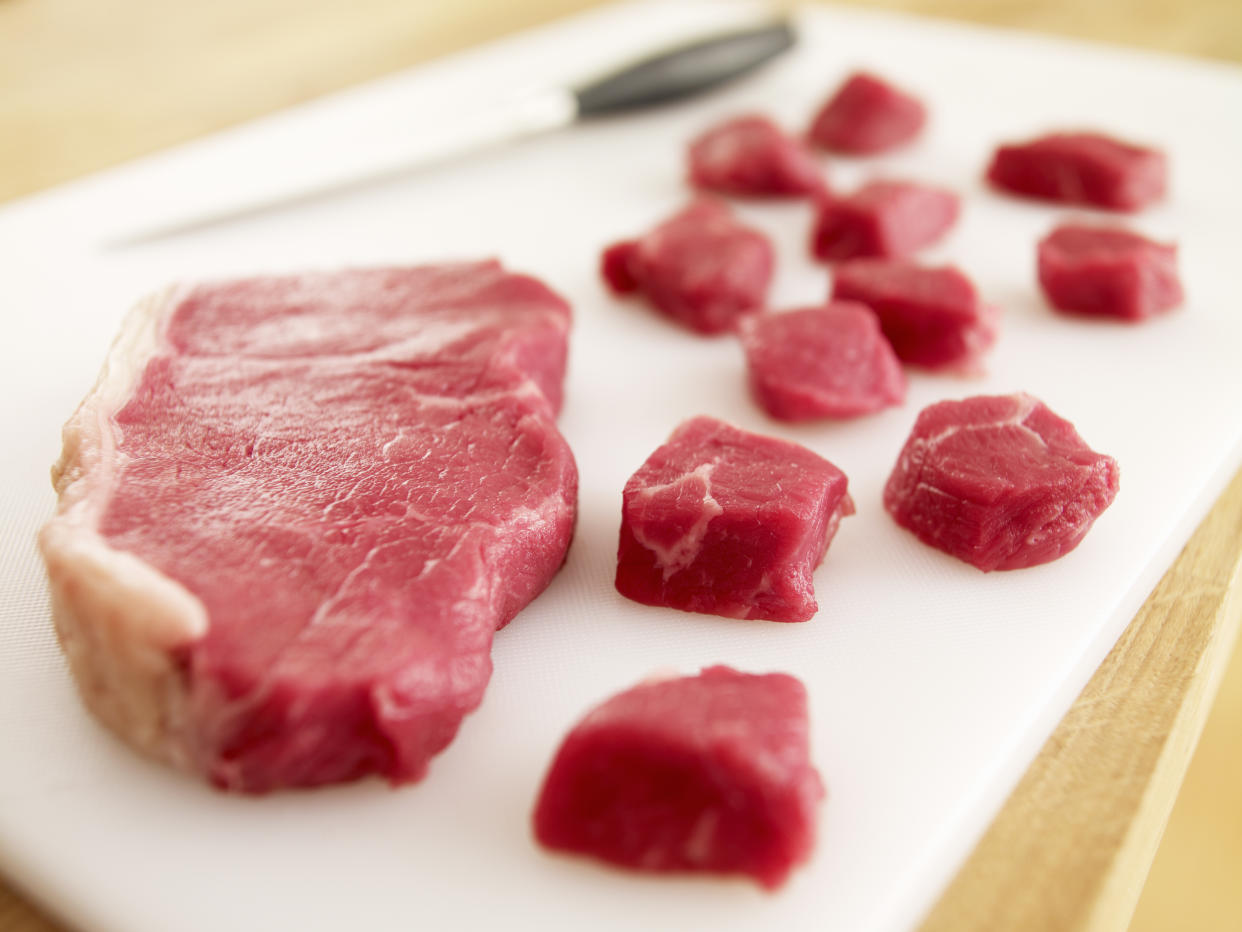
(706, 773)
(932, 316)
(821, 362)
(294, 510)
(999, 481)
(1108, 272)
(866, 116)
(1081, 168)
(750, 156)
(700, 267)
(725, 522)
(883, 218)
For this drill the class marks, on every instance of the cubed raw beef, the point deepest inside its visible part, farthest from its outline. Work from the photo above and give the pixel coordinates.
(932, 316)
(295, 509)
(999, 481)
(821, 362)
(707, 773)
(883, 218)
(700, 267)
(866, 116)
(1081, 168)
(750, 156)
(726, 522)
(1108, 272)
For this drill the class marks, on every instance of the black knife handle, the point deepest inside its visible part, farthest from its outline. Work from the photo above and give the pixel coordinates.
(685, 70)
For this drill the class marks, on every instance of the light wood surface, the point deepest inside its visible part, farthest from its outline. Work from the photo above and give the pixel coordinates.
(85, 84)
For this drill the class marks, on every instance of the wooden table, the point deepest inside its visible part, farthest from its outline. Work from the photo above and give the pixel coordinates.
(85, 84)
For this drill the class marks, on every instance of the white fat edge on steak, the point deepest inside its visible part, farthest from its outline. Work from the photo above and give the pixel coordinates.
(118, 619)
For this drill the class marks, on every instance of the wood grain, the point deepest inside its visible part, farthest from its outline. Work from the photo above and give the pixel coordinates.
(84, 85)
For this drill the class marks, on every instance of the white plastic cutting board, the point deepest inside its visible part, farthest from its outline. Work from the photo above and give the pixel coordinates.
(932, 685)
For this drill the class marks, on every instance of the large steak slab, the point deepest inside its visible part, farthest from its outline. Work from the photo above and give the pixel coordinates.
(294, 510)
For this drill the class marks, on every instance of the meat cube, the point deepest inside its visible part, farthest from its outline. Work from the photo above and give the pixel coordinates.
(883, 218)
(1081, 168)
(707, 773)
(1108, 272)
(726, 522)
(999, 482)
(700, 267)
(821, 362)
(750, 156)
(866, 116)
(932, 316)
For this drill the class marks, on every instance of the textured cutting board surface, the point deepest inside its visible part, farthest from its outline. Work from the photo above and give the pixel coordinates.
(931, 685)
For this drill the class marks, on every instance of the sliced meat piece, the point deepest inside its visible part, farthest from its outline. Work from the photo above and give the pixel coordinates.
(932, 316)
(294, 510)
(867, 116)
(750, 156)
(821, 362)
(1108, 272)
(999, 481)
(707, 773)
(883, 218)
(701, 267)
(1081, 168)
(726, 522)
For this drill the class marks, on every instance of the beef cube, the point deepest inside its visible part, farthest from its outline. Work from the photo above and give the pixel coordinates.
(1081, 168)
(821, 362)
(1108, 272)
(726, 522)
(932, 316)
(883, 218)
(999, 482)
(866, 116)
(707, 773)
(750, 156)
(701, 268)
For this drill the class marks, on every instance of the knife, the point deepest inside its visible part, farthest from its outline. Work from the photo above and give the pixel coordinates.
(664, 77)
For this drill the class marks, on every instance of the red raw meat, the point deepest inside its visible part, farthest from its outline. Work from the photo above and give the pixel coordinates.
(819, 362)
(866, 116)
(932, 316)
(999, 482)
(700, 267)
(883, 218)
(707, 773)
(294, 511)
(750, 156)
(726, 522)
(1081, 168)
(1108, 272)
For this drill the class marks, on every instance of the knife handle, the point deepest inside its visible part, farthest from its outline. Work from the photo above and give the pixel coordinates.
(685, 70)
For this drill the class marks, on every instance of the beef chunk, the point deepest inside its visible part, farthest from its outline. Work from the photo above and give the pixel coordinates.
(750, 156)
(932, 316)
(999, 482)
(1081, 168)
(1108, 272)
(866, 116)
(700, 267)
(821, 362)
(883, 218)
(726, 522)
(707, 773)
